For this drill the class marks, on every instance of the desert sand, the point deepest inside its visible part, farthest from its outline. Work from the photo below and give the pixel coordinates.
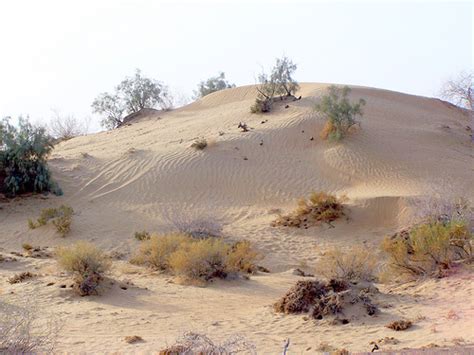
(145, 176)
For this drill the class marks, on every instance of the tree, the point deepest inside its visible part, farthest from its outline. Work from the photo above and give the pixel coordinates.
(23, 159)
(279, 83)
(460, 91)
(64, 127)
(131, 95)
(213, 84)
(340, 113)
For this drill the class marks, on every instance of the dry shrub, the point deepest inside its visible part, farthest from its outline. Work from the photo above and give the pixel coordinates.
(319, 208)
(193, 343)
(201, 260)
(155, 251)
(60, 217)
(141, 236)
(196, 260)
(321, 299)
(354, 265)
(399, 325)
(428, 248)
(328, 130)
(132, 339)
(27, 247)
(22, 331)
(20, 277)
(86, 263)
(199, 144)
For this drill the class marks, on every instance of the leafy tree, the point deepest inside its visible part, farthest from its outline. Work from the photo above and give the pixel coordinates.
(131, 95)
(340, 112)
(23, 154)
(213, 84)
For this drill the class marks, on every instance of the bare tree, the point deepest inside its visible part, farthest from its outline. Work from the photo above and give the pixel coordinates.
(64, 127)
(460, 91)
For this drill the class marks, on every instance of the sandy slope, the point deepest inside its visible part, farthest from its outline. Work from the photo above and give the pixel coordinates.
(146, 176)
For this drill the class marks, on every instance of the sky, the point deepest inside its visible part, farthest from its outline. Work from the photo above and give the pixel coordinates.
(59, 55)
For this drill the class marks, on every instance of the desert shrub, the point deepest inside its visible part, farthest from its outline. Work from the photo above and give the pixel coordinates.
(194, 343)
(242, 257)
(320, 299)
(22, 276)
(141, 236)
(27, 246)
(155, 251)
(22, 331)
(320, 207)
(428, 248)
(64, 127)
(399, 325)
(201, 260)
(60, 217)
(213, 84)
(86, 263)
(354, 265)
(199, 144)
(339, 111)
(196, 259)
(198, 227)
(23, 159)
(279, 83)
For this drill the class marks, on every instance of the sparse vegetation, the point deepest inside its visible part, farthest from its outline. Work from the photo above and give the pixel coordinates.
(64, 127)
(131, 95)
(280, 83)
(340, 113)
(213, 84)
(319, 208)
(354, 265)
(196, 260)
(60, 217)
(22, 276)
(141, 236)
(86, 263)
(429, 248)
(23, 159)
(399, 325)
(199, 144)
(194, 343)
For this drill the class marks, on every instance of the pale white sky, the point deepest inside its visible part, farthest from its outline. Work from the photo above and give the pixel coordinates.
(62, 54)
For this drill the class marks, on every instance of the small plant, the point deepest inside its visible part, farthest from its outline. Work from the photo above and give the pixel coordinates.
(27, 247)
(60, 217)
(199, 144)
(86, 263)
(20, 277)
(354, 265)
(141, 236)
(319, 208)
(340, 112)
(399, 325)
(428, 248)
(242, 257)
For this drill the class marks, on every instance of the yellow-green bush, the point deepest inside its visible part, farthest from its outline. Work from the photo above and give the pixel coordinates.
(318, 208)
(86, 263)
(60, 217)
(428, 248)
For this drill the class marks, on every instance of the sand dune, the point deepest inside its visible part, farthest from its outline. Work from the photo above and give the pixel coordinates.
(145, 176)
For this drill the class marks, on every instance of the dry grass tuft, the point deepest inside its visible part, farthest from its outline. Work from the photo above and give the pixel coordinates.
(319, 208)
(20, 277)
(400, 325)
(194, 343)
(141, 236)
(132, 339)
(199, 144)
(354, 265)
(60, 217)
(86, 263)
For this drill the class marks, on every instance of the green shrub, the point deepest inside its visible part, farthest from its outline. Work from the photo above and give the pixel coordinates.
(60, 217)
(339, 111)
(213, 84)
(23, 154)
(318, 208)
(86, 263)
(428, 248)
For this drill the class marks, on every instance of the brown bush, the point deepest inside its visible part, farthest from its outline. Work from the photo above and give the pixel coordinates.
(141, 236)
(399, 325)
(242, 257)
(319, 208)
(20, 277)
(199, 144)
(86, 263)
